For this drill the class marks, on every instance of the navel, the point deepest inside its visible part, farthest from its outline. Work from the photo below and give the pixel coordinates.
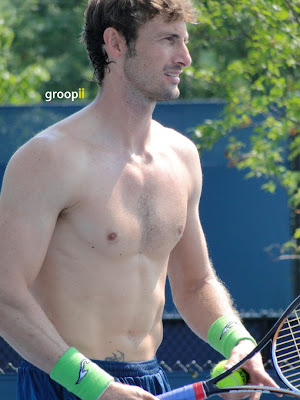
(112, 236)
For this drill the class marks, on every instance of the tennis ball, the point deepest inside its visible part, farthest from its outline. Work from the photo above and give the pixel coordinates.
(237, 378)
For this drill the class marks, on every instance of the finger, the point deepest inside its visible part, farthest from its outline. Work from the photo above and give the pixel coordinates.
(261, 378)
(235, 396)
(255, 396)
(231, 362)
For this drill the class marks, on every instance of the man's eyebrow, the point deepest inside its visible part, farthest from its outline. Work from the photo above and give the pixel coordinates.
(175, 36)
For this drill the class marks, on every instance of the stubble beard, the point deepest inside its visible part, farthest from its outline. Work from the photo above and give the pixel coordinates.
(143, 86)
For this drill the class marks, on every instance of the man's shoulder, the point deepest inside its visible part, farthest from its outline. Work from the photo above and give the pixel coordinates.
(186, 155)
(43, 165)
(176, 141)
(45, 145)
(45, 156)
(57, 140)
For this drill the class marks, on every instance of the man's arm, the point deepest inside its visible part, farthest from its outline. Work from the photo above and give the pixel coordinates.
(32, 196)
(40, 181)
(199, 295)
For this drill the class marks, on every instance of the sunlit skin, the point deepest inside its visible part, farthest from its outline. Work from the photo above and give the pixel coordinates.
(160, 56)
(97, 209)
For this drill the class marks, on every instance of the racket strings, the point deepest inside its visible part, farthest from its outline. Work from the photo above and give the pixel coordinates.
(287, 349)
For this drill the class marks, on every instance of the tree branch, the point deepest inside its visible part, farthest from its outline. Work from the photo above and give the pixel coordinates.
(296, 16)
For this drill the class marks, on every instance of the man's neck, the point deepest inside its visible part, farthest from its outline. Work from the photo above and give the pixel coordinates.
(127, 119)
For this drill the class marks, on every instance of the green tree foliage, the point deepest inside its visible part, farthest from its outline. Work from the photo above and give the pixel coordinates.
(17, 87)
(42, 42)
(248, 53)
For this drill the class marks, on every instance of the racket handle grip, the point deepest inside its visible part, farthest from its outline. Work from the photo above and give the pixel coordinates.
(189, 392)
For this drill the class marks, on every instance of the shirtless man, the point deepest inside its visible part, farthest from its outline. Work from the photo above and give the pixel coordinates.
(96, 210)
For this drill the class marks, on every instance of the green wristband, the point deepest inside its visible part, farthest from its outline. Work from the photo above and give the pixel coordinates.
(80, 376)
(225, 333)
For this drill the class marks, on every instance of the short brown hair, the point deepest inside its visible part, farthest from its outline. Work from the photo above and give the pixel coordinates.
(126, 16)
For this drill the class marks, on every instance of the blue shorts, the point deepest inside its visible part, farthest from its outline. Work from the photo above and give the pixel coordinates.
(34, 384)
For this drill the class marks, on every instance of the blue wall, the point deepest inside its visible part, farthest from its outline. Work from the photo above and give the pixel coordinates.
(8, 387)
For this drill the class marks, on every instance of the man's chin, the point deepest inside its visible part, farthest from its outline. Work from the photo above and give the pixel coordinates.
(169, 96)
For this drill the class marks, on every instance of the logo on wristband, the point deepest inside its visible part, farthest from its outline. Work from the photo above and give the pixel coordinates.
(227, 327)
(82, 370)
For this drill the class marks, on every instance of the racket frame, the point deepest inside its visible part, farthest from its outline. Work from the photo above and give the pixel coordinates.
(264, 341)
(204, 389)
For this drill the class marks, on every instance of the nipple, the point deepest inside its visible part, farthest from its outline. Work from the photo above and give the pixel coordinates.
(112, 236)
(180, 230)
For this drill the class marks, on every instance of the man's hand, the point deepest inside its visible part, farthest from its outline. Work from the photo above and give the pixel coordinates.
(254, 367)
(120, 391)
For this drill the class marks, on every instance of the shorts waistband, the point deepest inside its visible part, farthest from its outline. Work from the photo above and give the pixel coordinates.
(118, 368)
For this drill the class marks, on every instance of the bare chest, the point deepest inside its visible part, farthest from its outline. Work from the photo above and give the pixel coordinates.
(130, 209)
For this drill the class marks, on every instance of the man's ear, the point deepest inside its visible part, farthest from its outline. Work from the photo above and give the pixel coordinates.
(115, 43)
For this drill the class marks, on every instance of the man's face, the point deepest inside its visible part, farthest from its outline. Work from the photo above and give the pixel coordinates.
(153, 67)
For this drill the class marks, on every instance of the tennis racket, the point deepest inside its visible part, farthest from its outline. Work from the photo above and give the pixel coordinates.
(285, 349)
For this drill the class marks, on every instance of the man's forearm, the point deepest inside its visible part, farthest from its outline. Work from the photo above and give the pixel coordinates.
(28, 330)
(202, 303)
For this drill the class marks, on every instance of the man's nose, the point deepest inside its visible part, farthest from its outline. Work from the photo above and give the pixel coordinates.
(183, 56)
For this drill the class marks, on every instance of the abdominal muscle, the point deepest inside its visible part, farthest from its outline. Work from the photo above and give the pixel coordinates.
(105, 308)
(102, 283)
